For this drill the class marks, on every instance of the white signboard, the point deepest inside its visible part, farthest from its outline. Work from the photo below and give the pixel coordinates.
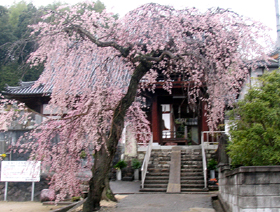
(20, 171)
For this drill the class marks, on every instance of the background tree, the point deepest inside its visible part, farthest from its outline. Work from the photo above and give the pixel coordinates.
(14, 21)
(14, 36)
(8, 73)
(96, 65)
(255, 131)
(15, 11)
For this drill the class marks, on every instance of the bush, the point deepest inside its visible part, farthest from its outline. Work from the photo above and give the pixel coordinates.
(120, 165)
(212, 164)
(255, 130)
(136, 163)
(75, 199)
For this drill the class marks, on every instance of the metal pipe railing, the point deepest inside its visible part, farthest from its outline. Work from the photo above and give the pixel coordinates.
(145, 164)
(208, 137)
(204, 162)
(211, 137)
(173, 134)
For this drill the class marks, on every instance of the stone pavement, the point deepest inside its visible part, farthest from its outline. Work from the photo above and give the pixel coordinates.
(158, 202)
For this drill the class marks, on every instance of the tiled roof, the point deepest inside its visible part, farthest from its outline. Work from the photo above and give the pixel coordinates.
(271, 63)
(26, 88)
(122, 76)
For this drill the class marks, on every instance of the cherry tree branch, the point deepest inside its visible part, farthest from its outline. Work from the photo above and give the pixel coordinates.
(83, 32)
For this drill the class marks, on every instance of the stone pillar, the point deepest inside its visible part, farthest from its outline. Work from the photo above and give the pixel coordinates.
(130, 142)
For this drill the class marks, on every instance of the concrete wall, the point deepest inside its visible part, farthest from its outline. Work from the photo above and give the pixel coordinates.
(250, 189)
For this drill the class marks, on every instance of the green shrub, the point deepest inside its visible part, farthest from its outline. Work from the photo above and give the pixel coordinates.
(75, 199)
(212, 164)
(255, 127)
(136, 163)
(120, 165)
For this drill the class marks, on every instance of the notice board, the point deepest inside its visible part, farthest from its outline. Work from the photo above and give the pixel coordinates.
(20, 171)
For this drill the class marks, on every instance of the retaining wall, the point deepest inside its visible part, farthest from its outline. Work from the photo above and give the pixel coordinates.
(250, 189)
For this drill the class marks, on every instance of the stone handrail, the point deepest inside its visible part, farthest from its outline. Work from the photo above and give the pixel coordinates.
(145, 164)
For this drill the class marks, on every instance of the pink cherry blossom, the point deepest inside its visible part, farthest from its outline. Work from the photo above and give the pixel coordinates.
(96, 66)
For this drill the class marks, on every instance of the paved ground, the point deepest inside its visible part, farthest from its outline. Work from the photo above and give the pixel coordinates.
(157, 202)
(130, 199)
(164, 203)
(125, 187)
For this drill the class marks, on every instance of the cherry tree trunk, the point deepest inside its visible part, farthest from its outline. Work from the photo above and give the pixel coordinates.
(104, 157)
(97, 183)
(107, 193)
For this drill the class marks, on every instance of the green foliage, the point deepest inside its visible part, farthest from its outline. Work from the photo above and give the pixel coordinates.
(14, 23)
(27, 17)
(83, 154)
(9, 75)
(6, 33)
(136, 163)
(255, 130)
(98, 7)
(14, 12)
(75, 199)
(212, 164)
(120, 165)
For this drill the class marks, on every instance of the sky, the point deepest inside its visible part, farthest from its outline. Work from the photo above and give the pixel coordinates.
(259, 10)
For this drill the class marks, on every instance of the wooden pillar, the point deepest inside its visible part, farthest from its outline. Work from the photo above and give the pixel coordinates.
(156, 121)
(204, 125)
(204, 117)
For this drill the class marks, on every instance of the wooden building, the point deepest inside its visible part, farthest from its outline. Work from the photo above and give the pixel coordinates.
(173, 120)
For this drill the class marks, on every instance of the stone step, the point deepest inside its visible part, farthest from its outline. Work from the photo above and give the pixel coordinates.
(155, 185)
(191, 166)
(191, 152)
(191, 174)
(191, 155)
(192, 181)
(160, 153)
(194, 177)
(158, 166)
(193, 169)
(189, 162)
(157, 174)
(191, 178)
(164, 162)
(192, 185)
(152, 189)
(158, 170)
(198, 152)
(193, 190)
(156, 181)
(161, 157)
(191, 158)
(166, 177)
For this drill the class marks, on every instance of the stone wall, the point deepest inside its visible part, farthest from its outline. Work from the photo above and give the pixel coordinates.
(21, 191)
(211, 152)
(250, 189)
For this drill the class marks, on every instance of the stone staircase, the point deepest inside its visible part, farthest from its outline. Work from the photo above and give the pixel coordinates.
(192, 179)
(158, 174)
(158, 171)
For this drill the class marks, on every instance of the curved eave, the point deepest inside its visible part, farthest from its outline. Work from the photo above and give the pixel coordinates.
(26, 89)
